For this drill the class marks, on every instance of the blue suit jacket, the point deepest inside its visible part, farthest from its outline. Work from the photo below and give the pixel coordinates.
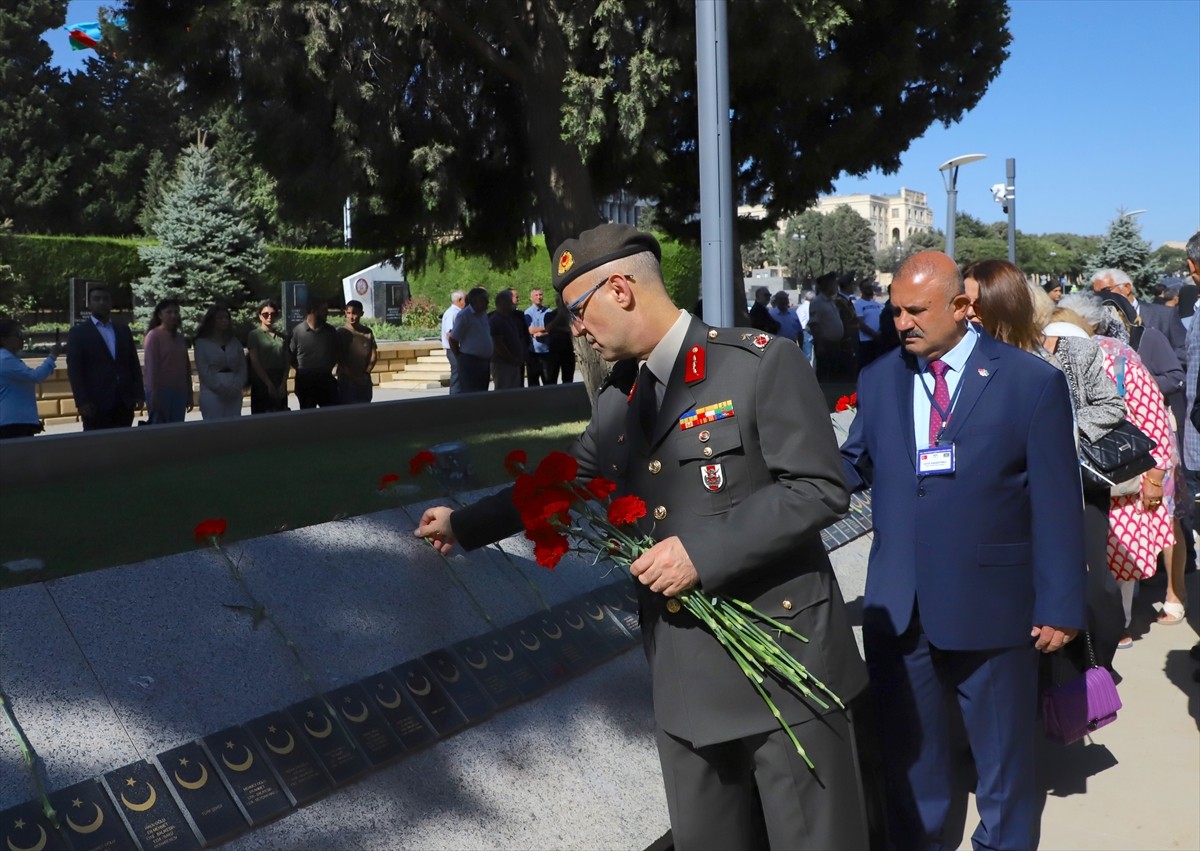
(994, 548)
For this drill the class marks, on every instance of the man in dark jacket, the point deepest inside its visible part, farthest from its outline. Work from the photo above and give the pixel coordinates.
(103, 367)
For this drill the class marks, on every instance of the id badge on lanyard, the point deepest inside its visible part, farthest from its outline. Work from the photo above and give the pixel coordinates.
(938, 460)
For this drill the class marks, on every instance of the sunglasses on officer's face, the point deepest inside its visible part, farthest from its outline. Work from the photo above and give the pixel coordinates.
(575, 309)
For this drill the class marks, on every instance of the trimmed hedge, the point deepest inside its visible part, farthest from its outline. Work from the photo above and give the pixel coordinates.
(42, 265)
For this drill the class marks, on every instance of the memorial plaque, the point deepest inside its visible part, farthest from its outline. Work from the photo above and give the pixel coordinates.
(329, 739)
(399, 711)
(149, 809)
(563, 640)
(286, 749)
(204, 796)
(540, 651)
(604, 622)
(89, 819)
(616, 598)
(26, 828)
(580, 635)
(426, 692)
(366, 724)
(247, 775)
(514, 664)
(454, 675)
(489, 673)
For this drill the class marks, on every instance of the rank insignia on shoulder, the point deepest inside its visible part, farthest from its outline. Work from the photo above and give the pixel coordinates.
(694, 367)
(713, 476)
(707, 414)
(759, 340)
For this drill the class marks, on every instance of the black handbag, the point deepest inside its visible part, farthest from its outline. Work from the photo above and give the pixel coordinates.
(1118, 456)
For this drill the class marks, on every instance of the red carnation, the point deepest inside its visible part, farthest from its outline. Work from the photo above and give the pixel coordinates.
(420, 461)
(842, 404)
(555, 469)
(514, 462)
(601, 487)
(626, 509)
(545, 506)
(854, 399)
(548, 547)
(387, 479)
(211, 528)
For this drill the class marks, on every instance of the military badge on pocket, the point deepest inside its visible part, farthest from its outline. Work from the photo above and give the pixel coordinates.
(713, 476)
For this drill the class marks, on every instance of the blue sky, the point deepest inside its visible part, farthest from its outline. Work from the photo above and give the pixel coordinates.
(1099, 104)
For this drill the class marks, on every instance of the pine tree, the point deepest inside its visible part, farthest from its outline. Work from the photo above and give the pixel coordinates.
(1123, 248)
(208, 251)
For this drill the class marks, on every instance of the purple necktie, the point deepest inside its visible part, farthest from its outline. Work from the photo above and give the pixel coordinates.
(941, 400)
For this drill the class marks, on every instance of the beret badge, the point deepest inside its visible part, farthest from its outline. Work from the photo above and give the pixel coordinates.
(565, 262)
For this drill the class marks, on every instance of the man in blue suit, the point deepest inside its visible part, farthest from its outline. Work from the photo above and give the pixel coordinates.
(977, 561)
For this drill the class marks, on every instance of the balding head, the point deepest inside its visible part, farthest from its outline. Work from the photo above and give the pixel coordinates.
(931, 266)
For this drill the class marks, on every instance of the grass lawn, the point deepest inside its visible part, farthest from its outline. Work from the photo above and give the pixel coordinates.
(146, 513)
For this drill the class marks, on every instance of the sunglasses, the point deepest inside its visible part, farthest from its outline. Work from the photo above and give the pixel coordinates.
(575, 309)
(268, 314)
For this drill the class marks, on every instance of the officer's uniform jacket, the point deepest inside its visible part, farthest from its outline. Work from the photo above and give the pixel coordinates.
(742, 466)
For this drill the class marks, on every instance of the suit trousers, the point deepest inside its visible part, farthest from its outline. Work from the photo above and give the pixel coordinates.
(921, 695)
(757, 792)
(118, 417)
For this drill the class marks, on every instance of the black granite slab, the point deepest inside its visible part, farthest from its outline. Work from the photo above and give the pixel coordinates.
(204, 797)
(366, 724)
(89, 819)
(26, 828)
(149, 810)
(398, 709)
(299, 771)
(424, 689)
(247, 775)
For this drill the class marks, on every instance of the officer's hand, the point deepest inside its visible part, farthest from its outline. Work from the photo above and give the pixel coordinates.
(666, 568)
(1051, 638)
(435, 528)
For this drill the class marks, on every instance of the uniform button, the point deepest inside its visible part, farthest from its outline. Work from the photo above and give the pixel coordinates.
(704, 436)
(787, 605)
(615, 468)
(660, 512)
(708, 452)
(673, 606)
(921, 491)
(620, 438)
(655, 466)
(712, 334)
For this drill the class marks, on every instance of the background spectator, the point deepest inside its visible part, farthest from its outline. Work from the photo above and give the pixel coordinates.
(168, 372)
(103, 367)
(313, 348)
(267, 362)
(18, 383)
(357, 354)
(221, 365)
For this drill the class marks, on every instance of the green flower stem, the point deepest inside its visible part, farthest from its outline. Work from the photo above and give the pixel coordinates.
(32, 760)
(782, 627)
(783, 724)
(512, 566)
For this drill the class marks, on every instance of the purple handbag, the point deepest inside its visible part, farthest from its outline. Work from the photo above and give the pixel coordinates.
(1074, 709)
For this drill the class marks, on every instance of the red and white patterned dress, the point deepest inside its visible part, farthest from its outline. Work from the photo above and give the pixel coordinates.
(1137, 536)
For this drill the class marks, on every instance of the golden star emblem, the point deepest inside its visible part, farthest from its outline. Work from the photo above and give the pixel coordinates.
(18, 824)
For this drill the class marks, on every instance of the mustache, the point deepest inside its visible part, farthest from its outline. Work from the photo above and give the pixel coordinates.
(913, 333)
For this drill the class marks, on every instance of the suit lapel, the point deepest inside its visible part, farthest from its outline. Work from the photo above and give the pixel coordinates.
(979, 369)
(904, 385)
(100, 338)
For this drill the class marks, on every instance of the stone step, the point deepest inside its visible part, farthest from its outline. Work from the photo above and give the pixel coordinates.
(440, 357)
(430, 372)
(411, 384)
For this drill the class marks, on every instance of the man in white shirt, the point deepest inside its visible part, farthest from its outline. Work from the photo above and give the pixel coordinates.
(457, 300)
(471, 342)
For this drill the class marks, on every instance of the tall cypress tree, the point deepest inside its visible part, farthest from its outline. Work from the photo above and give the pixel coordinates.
(1123, 248)
(209, 250)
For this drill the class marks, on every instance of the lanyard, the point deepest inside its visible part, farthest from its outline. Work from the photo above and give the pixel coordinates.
(945, 414)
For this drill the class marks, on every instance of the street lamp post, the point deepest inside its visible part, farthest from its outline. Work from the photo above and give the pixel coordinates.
(949, 170)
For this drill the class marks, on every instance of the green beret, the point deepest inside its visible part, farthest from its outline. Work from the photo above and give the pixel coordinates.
(602, 244)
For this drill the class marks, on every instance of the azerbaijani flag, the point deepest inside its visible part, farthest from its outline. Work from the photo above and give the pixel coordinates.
(87, 35)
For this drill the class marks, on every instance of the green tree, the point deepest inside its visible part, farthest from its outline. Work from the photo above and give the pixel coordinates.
(852, 240)
(34, 158)
(1172, 260)
(1123, 248)
(208, 248)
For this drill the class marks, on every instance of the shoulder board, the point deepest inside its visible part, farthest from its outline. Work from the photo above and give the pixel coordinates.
(742, 338)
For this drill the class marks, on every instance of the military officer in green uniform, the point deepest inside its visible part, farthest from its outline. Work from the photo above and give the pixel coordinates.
(726, 436)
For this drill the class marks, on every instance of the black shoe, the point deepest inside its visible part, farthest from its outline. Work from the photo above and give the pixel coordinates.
(1195, 652)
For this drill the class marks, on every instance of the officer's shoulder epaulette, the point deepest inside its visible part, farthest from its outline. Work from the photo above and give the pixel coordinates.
(621, 376)
(742, 338)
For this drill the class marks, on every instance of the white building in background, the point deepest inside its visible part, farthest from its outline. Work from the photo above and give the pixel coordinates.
(893, 218)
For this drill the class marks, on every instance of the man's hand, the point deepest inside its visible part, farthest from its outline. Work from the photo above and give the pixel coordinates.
(435, 528)
(1051, 638)
(666, 568)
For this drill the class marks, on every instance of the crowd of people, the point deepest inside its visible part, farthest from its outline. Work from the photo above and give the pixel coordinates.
(841, 324)
(507, 347)
(109, 383)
